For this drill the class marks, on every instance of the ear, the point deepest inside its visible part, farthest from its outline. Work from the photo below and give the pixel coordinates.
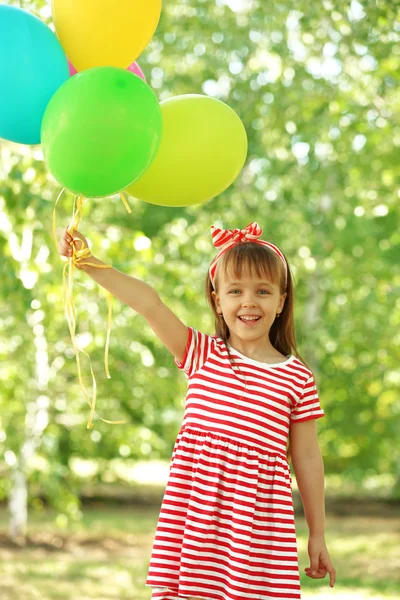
(282, 302)
(216, 300)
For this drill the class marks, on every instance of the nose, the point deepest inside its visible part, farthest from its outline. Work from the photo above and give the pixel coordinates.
(248, 299)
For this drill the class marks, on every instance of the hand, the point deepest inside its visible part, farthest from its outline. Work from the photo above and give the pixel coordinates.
(67, 243)
(320, 561)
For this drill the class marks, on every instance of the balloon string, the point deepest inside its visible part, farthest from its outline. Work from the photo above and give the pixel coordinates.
(79, 257)
(54, 218)
(124, 200)
(109, 299)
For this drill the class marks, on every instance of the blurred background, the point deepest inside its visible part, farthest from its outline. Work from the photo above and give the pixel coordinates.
(316, 86)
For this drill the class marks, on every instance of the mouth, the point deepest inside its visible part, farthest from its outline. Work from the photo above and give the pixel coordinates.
(249, 322)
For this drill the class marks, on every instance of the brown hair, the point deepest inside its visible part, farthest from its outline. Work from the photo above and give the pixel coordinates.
(265, 263)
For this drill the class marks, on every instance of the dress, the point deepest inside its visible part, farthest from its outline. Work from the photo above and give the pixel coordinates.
(226, 529)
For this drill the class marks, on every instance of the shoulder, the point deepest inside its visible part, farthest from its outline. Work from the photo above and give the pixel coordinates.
(204, 343)
(300, 370)
(199, 347)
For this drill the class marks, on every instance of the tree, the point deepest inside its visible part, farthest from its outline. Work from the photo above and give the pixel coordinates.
(316, 87)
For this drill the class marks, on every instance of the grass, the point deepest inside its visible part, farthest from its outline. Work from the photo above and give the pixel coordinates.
(105, 556)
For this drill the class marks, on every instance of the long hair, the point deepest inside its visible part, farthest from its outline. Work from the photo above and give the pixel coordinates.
(259, 259)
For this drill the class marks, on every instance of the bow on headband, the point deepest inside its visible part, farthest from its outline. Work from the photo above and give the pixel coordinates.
(226, 238)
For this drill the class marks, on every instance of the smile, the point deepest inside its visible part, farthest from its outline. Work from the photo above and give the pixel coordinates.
(249, 322)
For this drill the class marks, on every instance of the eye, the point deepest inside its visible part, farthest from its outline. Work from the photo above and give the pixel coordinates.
(266, 291)
(234, 291)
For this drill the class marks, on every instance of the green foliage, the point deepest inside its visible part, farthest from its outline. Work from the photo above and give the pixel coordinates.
(316, 87)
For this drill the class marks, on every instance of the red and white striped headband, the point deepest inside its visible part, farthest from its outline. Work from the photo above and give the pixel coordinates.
(226, 238)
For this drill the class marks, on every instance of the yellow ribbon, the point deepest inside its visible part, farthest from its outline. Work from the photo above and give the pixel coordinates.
(80, 257)
(125, 202)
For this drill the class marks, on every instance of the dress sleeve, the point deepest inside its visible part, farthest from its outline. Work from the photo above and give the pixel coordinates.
(198, 348)
(308, 406)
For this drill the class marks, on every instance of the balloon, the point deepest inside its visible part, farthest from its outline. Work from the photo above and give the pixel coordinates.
(202, 151)
(97, 33)
(133, 68)
(32, 67)
(72, 70)
(100, 131)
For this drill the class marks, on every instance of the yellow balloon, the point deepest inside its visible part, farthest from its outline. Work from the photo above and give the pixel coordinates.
(95, 33)
(203, 149)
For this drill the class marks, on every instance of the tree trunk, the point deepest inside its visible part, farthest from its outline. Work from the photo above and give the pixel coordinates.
(36, 421)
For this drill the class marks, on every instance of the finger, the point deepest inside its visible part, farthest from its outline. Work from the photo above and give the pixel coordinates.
(64, 248)
(320, 574)
(64, 244)
(332, 574)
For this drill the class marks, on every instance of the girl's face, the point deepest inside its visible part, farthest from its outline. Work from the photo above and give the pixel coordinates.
(248, 296)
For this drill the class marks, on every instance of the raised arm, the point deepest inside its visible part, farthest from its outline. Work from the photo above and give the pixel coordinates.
(138, 295)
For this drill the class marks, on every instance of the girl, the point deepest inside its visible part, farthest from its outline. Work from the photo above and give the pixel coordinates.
(226, 529)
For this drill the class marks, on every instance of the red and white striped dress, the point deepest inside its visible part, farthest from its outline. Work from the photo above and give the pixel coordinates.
(226, 529)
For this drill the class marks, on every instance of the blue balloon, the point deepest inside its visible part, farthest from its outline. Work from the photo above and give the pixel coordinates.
(33, 66)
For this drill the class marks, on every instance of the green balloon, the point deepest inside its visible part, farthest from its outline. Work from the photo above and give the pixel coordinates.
(100, 131)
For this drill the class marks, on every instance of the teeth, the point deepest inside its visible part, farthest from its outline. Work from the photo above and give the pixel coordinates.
(249, 318)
